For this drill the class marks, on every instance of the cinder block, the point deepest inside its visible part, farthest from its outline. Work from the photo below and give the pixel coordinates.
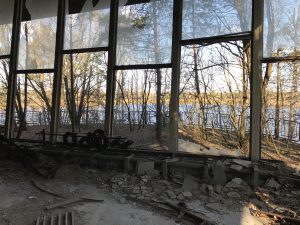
(143, 166)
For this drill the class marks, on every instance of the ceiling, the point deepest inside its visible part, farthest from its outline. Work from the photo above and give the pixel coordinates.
(75, 6)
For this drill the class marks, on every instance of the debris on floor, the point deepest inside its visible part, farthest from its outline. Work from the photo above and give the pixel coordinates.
(67, 218)
(221, 192)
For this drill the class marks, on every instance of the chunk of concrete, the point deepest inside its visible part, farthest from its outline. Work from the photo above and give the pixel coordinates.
(219, 174)
(272, 183)
(235, 183)
(153, 173)
(236, 167)
(206, 174)
(171, 194)
(233, 194)
(190, 183)
(187, 194)
(244, 163)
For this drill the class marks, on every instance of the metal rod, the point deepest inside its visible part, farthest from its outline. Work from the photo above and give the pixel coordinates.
(44, 220)
(66, 218)
(4, 57)
(281, 59)
(84, 50)
(176, 58)
(37, 221)
(72, 218)
(35, 71)
(13, 63)
(59, 219)
(113, 24)
(143, 66)
(217, 39)
(52, 220)
(256, 79)
(57, 80)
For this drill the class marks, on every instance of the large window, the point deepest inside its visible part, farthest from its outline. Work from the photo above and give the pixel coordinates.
(280, 110)
(33, 104)
(145, 33)
(215, 99)
(6, 16)
(38, 35)
(83, 92)
(205, 18)
(141, 108)
(214, 92)
(282, 28)
(87, 24)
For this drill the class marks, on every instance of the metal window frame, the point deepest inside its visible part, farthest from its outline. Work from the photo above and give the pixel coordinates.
(58, 64)
(84, 50)
(256, 37)
(13, 63)
(256, 79)
(34, 71)
(4, 57)
(281, 59)
(217, 39)
(111, 75)
(143, 66)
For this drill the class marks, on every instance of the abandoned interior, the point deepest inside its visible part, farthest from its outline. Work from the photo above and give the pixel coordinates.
(138, 112)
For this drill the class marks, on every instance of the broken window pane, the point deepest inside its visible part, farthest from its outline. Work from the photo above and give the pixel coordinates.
(4, 71)
(141, 109)
(87, 25)
(281, 28)
(33, 105)
(145, 33)
(38, 35)
(40, 9)
(206, 18)
(6, 17)
(215, 99)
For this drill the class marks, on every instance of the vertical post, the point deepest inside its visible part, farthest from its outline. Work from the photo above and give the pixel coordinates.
(176, 56)
(13, 63)
(112, 45)
(256, 79)
(57, 80)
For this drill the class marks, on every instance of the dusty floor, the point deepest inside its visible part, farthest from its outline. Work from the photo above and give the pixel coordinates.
(129, 199)
(21, 203)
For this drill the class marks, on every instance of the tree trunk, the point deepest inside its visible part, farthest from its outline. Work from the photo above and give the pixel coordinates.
(293, 102)
(277, 107)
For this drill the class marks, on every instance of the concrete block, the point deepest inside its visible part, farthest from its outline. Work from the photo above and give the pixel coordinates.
(190, 183)
(144, 166)
(219, 174)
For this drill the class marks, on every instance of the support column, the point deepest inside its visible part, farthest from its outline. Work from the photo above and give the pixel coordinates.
(13, 64)
(256, 79)
(110, 91)
(176, 56)
(58, 64)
